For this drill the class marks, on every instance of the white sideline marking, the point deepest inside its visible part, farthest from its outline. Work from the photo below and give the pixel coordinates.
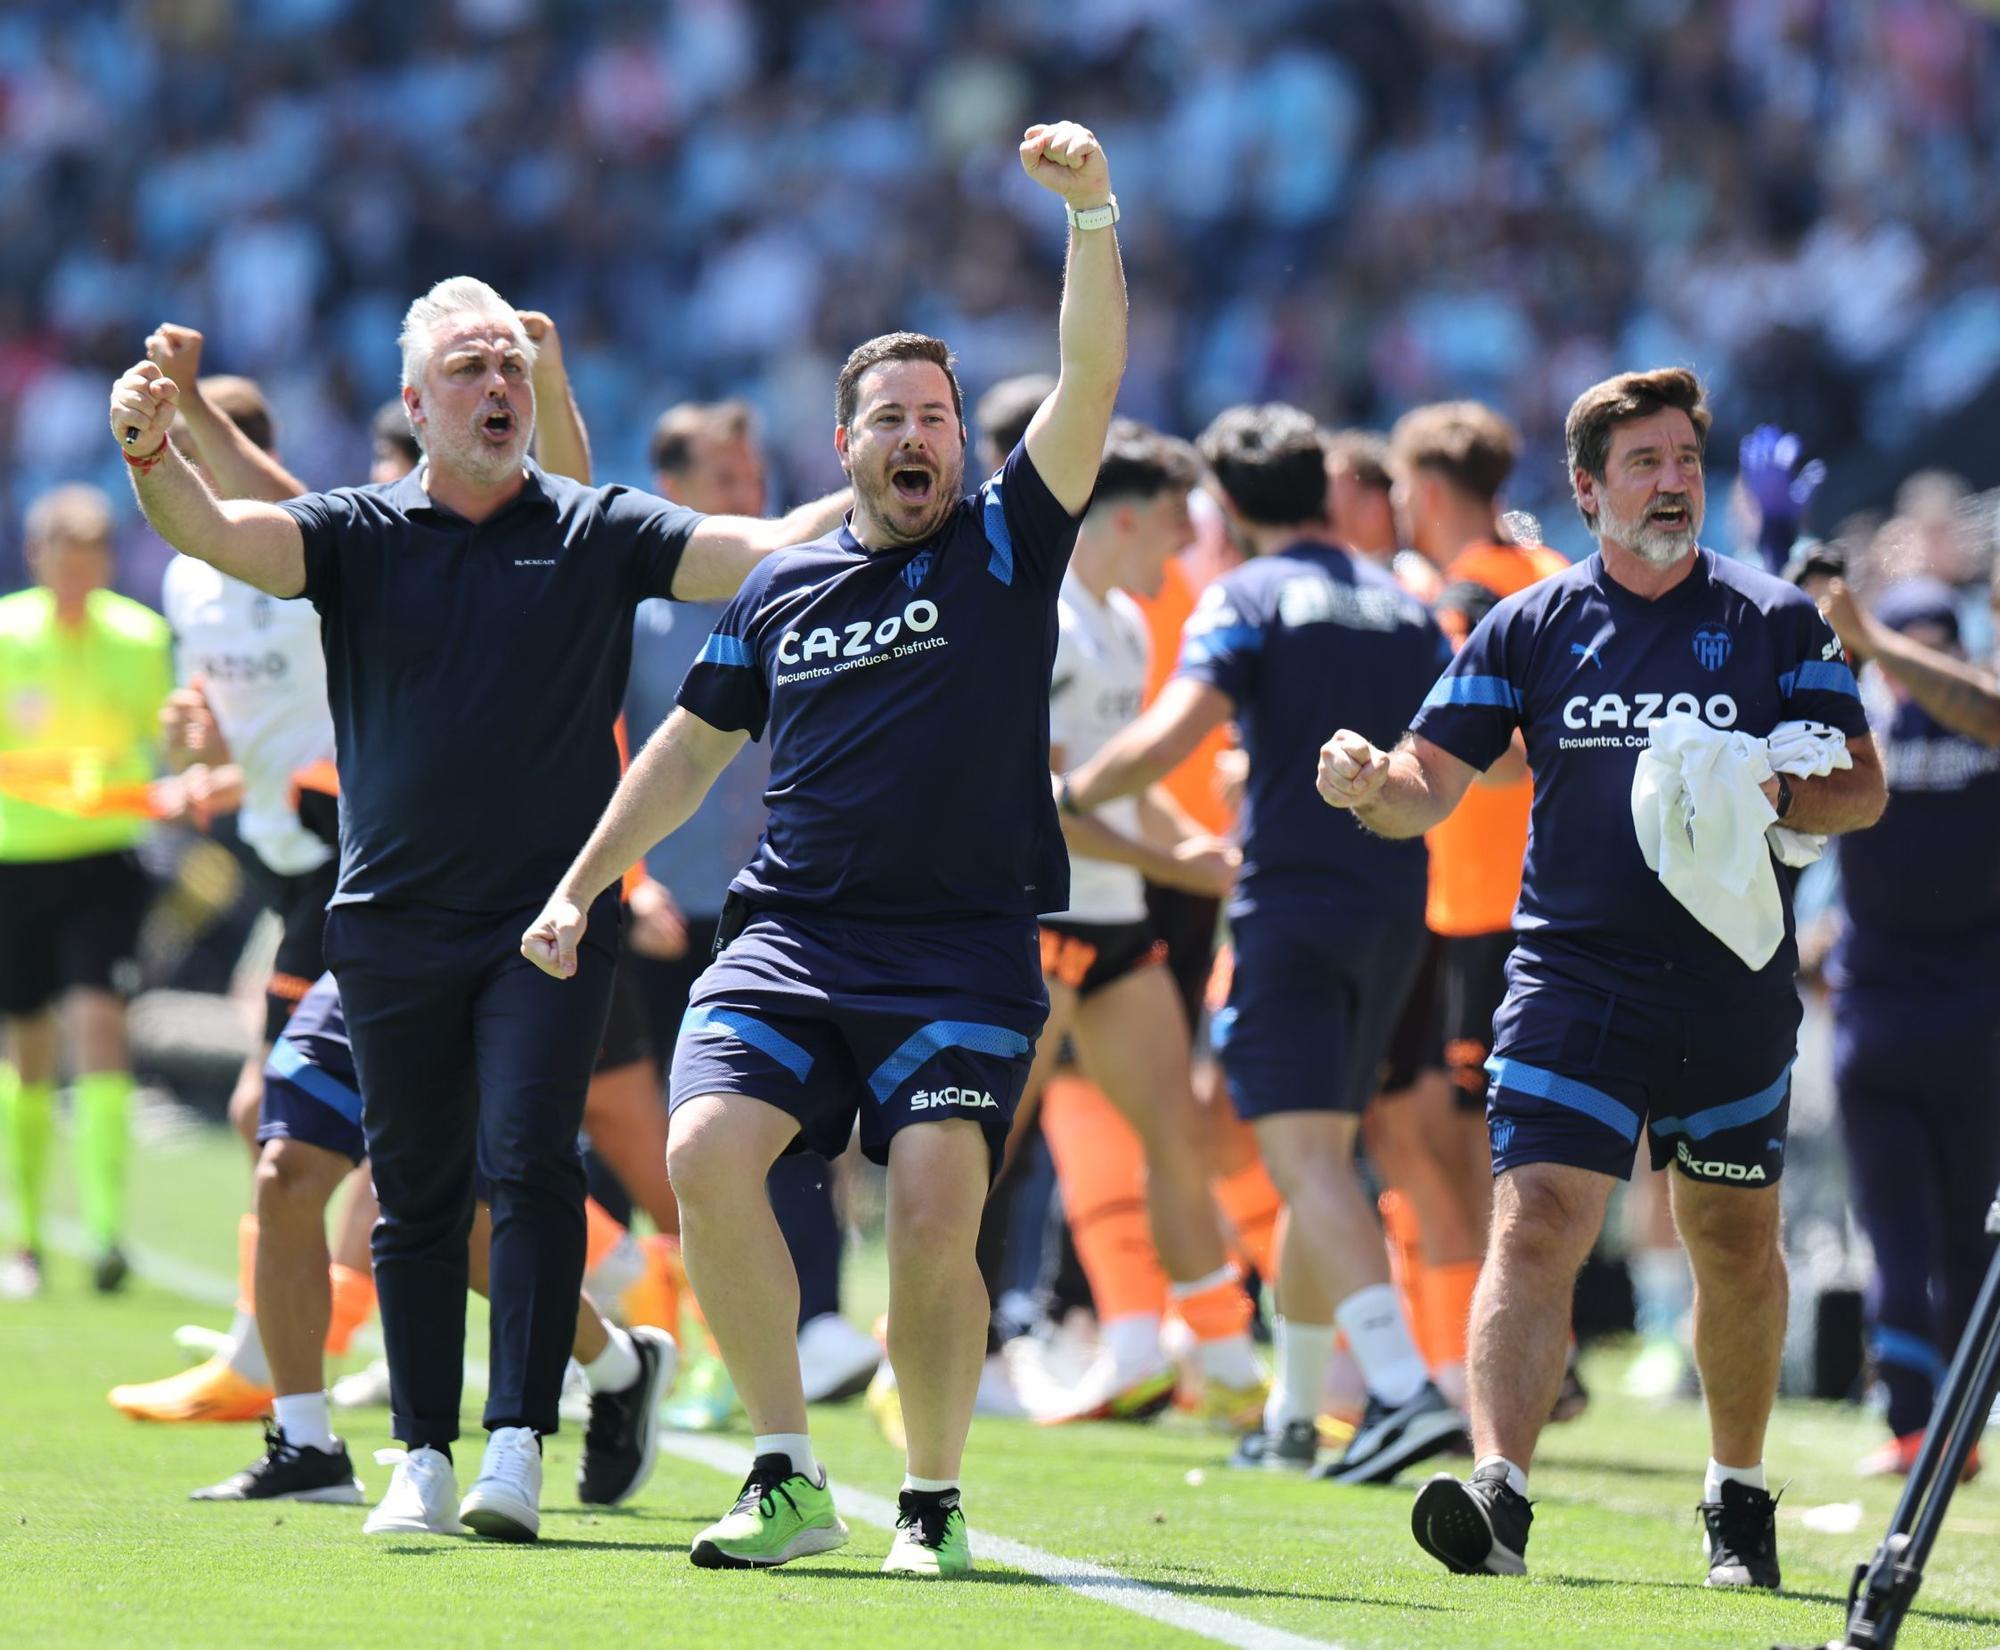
(198, 1283)
(1094, 1581)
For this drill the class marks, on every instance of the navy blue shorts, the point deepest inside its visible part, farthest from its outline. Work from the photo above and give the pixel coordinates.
(310, 1090)
(890, 1023)
(1312, 1007)
(1577, 1072)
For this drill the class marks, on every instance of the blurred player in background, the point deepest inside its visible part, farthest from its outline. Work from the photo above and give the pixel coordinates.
(1327, 925)
(1111, 996)
(83, 674)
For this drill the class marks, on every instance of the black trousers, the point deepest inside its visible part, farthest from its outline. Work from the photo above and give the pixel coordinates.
(469, 1055)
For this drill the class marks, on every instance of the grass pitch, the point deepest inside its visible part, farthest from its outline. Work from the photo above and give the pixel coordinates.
(99, 1546)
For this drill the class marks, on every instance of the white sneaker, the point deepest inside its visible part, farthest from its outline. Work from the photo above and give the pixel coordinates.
(364, 1389)
(836, 1360)
(420, 1497)
(505, 1500)
(996, 1394)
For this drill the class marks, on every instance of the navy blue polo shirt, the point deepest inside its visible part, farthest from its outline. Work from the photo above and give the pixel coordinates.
(475, 671)
(1584, 667)
(1306, 641)
(906, 693)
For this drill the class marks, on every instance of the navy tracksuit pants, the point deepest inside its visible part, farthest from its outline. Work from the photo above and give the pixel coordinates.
(1919, 1087)
(468, 1055)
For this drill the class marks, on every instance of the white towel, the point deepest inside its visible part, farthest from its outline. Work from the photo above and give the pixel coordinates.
(1705, 825)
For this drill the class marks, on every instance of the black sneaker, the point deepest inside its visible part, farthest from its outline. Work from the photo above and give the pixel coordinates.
(623, 1435)
(1294, 1449)
(1479, 1527)
(1391, 1439)
(111, 1271)
(1741, 1539)
(291, 1472)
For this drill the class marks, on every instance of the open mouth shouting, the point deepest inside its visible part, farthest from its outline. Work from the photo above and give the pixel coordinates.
(497, 426)
(1670, 514)
(913, 485)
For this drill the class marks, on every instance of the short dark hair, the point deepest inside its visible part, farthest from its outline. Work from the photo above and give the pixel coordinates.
(670, 450)
(1467, 442)
(1005, 411)
(1141, 463)
(893, 346)
(1594, 414)
(1269, 463)
(391, 427)
(244, 402)
(1362, 454)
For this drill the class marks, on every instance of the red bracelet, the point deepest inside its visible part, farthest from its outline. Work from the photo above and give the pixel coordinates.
(146, 465)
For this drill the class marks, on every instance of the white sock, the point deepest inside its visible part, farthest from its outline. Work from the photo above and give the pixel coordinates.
(795, 1445)
(302, 1418)
(1302, 1353)
(1389, 1360)
(616, 1367)
(1718, 1475)
(246, 1350)
(930, 1486)
(1517, 1477)
(1133, 1342)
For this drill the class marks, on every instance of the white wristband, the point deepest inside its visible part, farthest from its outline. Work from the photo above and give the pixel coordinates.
(1093, 217)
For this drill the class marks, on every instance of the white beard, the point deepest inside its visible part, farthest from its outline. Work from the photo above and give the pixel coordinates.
(1653, 544)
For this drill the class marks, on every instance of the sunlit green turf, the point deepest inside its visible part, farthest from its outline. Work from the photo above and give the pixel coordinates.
(100, 1547)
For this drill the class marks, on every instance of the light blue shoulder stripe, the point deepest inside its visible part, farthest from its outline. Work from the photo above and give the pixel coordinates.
(1496, 691)
(993, 518)
(720, 649)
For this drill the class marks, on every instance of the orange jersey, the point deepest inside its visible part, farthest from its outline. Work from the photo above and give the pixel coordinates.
(1476, 853)
(1193, 783)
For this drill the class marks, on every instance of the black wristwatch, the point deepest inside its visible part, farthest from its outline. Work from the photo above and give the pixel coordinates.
(1065, 801)
(1784, 802)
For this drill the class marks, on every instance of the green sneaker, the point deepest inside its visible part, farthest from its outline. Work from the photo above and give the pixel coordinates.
(781, 1515)
(930, 1537)
(704, 1401)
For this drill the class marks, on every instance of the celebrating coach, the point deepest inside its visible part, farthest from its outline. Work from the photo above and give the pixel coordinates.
(477, 619)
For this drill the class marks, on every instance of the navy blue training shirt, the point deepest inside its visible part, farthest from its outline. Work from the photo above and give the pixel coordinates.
(1922, 888)
(475, 672)
(1306, 641)
(907, 696)
(1585, 667)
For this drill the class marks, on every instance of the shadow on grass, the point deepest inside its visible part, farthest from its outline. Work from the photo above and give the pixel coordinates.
(1785, 1595)
(1194, 1590)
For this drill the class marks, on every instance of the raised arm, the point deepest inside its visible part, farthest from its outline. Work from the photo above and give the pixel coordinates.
(562, 444)
(1399, 793)
(659, 792)
(252, 541)
(1159, 741)
(1956, 694)
(238, 467)
(1066, 436)
(723, 549)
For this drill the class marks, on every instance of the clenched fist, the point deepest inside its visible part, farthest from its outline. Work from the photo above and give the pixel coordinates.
(1067, 160)
(176, 351)
(541, 331)
(1351, 770)
(551, 940)
(142, 409)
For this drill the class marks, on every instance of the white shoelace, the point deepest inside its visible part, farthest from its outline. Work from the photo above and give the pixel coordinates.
(511, 1454)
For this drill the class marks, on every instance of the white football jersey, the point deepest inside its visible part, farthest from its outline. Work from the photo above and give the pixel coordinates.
(1099, 686)
(266, 682)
